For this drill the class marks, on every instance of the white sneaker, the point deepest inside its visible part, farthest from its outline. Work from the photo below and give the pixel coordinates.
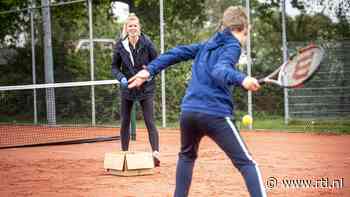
(156, 158)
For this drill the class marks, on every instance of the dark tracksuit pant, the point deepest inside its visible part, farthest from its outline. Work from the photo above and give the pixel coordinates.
(223, 131)
(147, 109)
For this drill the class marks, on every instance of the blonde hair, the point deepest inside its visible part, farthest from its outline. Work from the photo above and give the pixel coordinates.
(131, 17)
(235, 18)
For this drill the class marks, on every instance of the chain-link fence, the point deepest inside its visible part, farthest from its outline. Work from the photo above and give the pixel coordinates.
(51, 44)
(327, 94)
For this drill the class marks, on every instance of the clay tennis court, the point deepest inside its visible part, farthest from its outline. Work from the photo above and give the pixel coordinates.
(77, 170)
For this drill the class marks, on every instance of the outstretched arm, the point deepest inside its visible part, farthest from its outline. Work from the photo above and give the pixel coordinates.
(173, 56)
(225, 71)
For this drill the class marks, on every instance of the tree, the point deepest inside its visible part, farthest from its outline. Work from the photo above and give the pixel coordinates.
(338, 11)
(12, 22)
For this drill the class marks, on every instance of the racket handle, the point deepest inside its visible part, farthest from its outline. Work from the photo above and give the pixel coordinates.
(261, 81)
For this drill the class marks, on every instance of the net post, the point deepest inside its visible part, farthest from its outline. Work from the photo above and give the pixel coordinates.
(48, 61)
(32, 31)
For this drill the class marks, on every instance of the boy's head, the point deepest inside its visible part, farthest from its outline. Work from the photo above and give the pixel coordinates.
(235, 18)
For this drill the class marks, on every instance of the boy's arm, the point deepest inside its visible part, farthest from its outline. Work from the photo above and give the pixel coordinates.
(173, 56)
(225, 71)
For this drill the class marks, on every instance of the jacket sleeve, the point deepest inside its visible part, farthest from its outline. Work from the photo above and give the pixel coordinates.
(153, 54)
(116, 64)
(173, 56)
(225, 71)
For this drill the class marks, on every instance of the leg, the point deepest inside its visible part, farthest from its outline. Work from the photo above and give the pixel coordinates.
(147, 110)
(190, 138)
(126, 107)
(226, 135)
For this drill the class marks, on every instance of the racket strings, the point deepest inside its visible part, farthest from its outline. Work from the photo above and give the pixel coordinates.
(301, 67)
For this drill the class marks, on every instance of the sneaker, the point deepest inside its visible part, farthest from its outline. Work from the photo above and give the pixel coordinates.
(156, 156)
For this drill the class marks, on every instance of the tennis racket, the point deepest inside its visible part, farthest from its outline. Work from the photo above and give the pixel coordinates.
(298, 69)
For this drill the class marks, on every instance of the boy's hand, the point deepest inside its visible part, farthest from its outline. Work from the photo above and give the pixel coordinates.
(138, 79)
(251, 84)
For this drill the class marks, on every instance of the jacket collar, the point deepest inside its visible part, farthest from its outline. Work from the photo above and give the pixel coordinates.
(125, 44)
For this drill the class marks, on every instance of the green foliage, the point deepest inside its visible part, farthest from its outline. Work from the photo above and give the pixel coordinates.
(315, 126)
(267, 121)
(11, 24)
(263, 121)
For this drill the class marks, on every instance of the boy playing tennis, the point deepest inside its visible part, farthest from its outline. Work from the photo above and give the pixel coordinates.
(207, 107)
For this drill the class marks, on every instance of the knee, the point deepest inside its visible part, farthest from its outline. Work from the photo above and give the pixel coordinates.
(187, 156)
(244, 164)
(149, 121)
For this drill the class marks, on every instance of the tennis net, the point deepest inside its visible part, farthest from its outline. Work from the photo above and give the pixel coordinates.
(59, 113)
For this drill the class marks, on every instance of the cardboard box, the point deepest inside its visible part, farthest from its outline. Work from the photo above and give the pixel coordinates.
(129, 163)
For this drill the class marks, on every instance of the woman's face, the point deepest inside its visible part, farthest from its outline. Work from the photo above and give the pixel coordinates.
(133, 28)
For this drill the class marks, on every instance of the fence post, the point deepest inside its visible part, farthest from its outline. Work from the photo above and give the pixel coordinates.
(92, 66)
(48, 59)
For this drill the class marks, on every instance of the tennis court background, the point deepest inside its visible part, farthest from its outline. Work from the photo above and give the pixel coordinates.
(320, 99)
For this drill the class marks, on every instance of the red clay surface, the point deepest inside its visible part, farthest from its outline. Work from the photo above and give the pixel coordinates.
(77, 170)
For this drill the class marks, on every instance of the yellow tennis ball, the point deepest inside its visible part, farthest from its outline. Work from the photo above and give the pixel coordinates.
(247, 120)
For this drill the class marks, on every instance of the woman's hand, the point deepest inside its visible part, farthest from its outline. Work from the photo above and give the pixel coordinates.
(138, 79)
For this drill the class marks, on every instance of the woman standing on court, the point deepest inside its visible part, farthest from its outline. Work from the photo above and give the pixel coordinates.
(131, 53)
(207, 107)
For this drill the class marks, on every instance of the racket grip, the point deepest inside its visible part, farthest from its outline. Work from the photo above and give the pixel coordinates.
(261, 81)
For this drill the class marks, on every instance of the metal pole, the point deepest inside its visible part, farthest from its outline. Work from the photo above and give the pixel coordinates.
(32, 4)
(249, 65)
(163, 72)
(285, 58)
(48, 59)
(92, 66)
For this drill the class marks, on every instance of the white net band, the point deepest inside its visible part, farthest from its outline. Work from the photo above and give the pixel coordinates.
(58, 85)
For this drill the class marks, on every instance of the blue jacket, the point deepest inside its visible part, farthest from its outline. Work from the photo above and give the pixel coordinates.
(213, 73)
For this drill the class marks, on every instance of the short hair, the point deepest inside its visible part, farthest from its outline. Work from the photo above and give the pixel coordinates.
(235, 18)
